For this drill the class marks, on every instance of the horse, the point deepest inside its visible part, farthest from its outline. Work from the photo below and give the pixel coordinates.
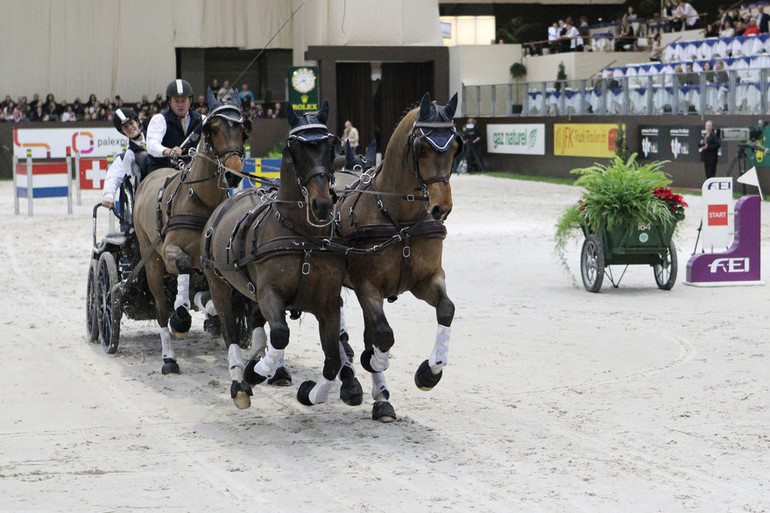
(172, 207)
(274, 251)
(394, 220)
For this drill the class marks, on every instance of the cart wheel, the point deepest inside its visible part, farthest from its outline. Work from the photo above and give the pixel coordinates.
(592, 263)
(108, 307)
(92, 327)
(665, 273)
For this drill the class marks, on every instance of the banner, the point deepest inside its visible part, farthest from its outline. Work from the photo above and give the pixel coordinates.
(52, 143)
(585, 140)
(672, 143)
(519, 139)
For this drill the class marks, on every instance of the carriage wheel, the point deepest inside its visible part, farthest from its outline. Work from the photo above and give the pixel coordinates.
(108, 307)
(92, 326)
(592, 263)
(665, 273)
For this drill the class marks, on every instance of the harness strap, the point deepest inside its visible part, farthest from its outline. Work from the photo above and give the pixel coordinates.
(299, 301)
(190, 221)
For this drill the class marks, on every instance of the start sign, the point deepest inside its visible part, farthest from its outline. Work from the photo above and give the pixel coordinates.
(717, 223)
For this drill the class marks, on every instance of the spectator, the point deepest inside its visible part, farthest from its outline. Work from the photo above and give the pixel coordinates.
(724, 17)
(630, 15)
(687, 13)
(709, 150)
(279, 112)
(247, 98)
(712, 30)
(68, 114)
(350, 135)
(763, 20)
(656, 49)
(727, 29)
(753, 28)
(553, 37)
(564, 40)
(689, 77)
(740, 28)
(223, 90)
(35, 102)
(625, 37)
(37, 114)
(584, 28)
(51, 108)
(721, 76)
(269, 114)
(215, 86)
(78, 108)
(573, 35)
(257, 112)
(673, 24)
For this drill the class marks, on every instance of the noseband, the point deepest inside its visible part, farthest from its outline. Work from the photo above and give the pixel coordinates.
(430, 131)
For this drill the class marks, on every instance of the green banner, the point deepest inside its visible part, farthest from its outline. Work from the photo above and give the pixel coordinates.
(303, 88)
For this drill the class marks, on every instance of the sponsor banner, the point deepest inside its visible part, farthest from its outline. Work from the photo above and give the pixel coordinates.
(585, 140)
(53, 142)
(671, 143)
(717, 223)
(92, 173)
(518, 139)
(261, 168)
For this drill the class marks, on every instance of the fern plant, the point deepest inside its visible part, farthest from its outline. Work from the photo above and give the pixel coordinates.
(620, 193)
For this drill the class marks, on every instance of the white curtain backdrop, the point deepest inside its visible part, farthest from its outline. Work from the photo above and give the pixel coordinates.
(73, 48)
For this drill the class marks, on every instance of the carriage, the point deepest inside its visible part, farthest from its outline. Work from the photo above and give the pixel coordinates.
(628, 245)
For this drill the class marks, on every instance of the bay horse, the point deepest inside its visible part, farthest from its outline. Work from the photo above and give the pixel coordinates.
(398, 210)
(172, 207)
(274, 251)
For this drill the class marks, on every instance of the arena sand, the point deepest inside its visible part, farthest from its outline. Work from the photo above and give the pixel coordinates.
(555, 399)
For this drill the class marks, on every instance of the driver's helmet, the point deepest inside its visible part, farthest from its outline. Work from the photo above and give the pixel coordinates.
(122, 116)
(179, 87)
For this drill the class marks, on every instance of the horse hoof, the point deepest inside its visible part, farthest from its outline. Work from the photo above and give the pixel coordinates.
(281, 378)
(213, 326)
(303, 393)
(424, 377)
(351, 392)
(250, 376)
(241, 393)
(383, 411)
(346, 345)
(170, 367)
(180, 322)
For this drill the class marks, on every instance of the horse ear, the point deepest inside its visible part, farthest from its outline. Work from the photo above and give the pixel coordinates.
(211, 99)
(291, 116)
(451, 107)
(371, 153)
(350, 159)
(323, 114)
(424, 107)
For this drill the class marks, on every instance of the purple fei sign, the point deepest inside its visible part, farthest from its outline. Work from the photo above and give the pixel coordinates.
(740, 264)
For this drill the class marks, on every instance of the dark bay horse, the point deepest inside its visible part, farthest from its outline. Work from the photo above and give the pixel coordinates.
(400, 207)
(172, 206)
(273, 250)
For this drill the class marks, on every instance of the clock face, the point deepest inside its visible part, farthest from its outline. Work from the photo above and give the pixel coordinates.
(303, 80)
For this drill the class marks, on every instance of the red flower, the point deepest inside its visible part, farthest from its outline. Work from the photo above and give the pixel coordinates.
(672, 200)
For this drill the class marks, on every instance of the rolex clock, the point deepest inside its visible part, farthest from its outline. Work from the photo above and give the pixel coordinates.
(303, 88)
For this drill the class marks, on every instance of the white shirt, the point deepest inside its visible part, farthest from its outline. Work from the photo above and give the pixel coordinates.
(156, 130)
(575, 39)
(688, 11)
(553, 33)
(120, 168)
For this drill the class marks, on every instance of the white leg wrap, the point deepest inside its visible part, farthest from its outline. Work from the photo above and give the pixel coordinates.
(379, 387)
(440, 355)
(165, 343)
(258, 343)
(320, 391)
(234, 356)
(182, 291)
(209, 308)
(380, 360)
(272, 360)
(344, 357)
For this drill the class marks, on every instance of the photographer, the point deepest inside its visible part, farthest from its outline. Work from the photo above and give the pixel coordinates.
(709, 150)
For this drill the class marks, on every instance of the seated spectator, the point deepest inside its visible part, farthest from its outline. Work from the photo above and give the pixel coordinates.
(625, 37)
(753, 28)
(740, 28)
(727, 29)
(712, 30)
(721, 76)
(689, 77)
(69, 114)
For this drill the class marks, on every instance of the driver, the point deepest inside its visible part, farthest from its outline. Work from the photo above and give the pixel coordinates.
(168, 130)
(127, 123)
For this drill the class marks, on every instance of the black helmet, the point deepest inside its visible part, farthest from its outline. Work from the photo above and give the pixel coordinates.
(178, 87)
(123, 115)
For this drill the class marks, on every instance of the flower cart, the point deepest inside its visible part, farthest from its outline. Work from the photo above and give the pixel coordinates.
(628, 216)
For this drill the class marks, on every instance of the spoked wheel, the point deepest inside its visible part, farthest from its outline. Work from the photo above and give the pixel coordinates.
(665, 273)
(108, 307)
(592, 263)
(92, 326)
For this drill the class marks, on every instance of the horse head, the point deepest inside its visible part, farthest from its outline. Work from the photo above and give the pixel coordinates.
(433, 144)
(225, 131)
(311, 149)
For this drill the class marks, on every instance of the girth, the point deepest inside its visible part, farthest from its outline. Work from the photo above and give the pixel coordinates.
(428, 229)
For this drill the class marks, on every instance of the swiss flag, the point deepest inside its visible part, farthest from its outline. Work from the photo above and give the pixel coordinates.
(92, 173)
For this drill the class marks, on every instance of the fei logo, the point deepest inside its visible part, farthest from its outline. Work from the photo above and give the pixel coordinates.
(730, 265)
(717, 215)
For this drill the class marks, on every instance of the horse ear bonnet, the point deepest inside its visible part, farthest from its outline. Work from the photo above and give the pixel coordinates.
(434, 122)
(310, 126)
(229, 110)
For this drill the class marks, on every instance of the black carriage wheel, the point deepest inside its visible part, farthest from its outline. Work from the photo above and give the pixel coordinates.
(665, 273)
(92, 326)
(108, 307)
(592, 263)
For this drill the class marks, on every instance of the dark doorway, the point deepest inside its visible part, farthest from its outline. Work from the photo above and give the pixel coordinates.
(376, 106)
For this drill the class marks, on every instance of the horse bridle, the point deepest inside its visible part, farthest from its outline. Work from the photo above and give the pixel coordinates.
(297, 135)
(423, 131)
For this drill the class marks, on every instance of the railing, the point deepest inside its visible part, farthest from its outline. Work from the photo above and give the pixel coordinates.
(732, 91)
